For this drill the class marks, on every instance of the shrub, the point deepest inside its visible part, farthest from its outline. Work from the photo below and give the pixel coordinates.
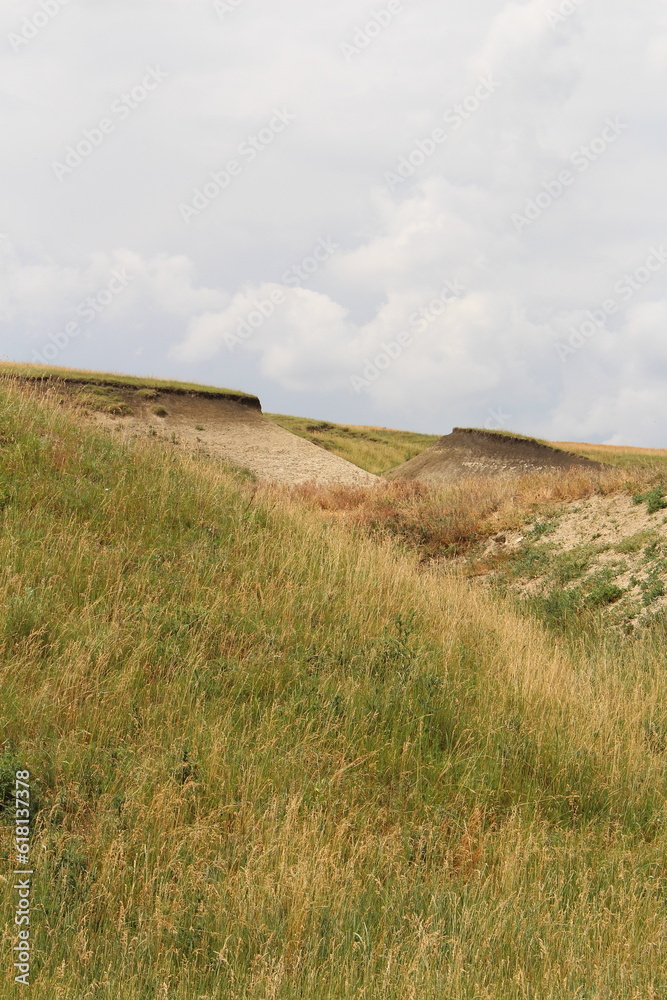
(604, 593)
(654, 499)
(448, 520)
(102, 399)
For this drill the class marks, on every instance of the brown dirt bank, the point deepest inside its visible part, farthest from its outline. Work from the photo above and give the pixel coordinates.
(467, 452)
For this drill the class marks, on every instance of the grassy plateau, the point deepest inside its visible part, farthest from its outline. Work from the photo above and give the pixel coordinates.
(76, 376)
(276, 756)
(652, 459)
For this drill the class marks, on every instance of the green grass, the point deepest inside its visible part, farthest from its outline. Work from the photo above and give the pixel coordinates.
(512, 435)
(274, 759)
(101, 399)
(654, 499)
(73, 375)
(375, 449)
(638, 541)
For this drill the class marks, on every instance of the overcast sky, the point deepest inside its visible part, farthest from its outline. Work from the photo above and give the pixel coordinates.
(412, 213)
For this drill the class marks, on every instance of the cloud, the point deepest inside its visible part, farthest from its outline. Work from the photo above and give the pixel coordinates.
(449, 219)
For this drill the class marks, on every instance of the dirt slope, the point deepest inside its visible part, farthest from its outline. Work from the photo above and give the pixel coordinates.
(465, 453)
(608, 552)
(235, 431)
(243, 436)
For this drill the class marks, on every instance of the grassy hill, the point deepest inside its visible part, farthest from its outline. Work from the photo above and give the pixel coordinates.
(76, 376)
(650, 459)
(376, 449)
(273, 758)
(380, 449)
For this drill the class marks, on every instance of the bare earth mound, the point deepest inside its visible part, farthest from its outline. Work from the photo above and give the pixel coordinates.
(236, 432)
(465, 453)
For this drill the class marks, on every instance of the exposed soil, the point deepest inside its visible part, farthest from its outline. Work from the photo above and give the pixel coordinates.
(606, 549)
(465, 453)
(236, 432)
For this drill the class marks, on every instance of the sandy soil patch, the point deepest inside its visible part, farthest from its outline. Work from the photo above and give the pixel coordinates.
(231, 431)
(607, 549)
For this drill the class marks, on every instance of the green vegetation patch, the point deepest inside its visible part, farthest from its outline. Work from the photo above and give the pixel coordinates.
(542, 528)
(102, 399)
(635, 543)
(654, 499)
(603, 592)
(573, 563)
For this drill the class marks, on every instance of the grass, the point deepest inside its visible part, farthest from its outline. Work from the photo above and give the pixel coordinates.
(380, 449)
(144, 384)
(650, 460)
(375, 449)
(101, 399)
(511, 435)
(635, 543)
(654, 499)
(275, 760)
(447, 522)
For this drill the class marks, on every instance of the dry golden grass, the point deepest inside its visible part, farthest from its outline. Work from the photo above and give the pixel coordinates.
(637, 459)
(447, 521)
(275, 759)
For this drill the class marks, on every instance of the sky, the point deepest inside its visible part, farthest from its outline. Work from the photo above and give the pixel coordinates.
(407, 213)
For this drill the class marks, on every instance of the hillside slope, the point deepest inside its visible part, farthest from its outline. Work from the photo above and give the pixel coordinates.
(470, 452)
(273, 759)
(222, 423)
